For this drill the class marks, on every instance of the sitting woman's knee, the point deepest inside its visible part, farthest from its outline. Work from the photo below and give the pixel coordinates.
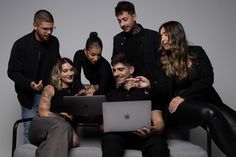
(208, 114)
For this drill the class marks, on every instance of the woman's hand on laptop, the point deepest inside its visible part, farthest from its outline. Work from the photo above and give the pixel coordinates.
(81, 92)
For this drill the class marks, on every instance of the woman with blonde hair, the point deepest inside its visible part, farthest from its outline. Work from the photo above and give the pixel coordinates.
(52, 129)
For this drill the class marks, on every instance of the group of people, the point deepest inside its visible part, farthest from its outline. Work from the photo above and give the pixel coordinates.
(145, 64)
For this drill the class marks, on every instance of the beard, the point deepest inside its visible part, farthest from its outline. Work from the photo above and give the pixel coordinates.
(43, 37)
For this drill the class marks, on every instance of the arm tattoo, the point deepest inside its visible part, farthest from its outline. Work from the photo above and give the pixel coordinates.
(45, 100)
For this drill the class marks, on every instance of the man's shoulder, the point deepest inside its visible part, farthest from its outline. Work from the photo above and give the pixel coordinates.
(54, 38)
(145, 32)
(119, 35)
(24, 39)
(150, 31)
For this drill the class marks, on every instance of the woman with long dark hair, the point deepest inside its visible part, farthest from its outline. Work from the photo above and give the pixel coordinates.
(183, 80)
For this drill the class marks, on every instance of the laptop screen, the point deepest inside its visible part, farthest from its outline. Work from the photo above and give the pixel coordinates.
(86, 109)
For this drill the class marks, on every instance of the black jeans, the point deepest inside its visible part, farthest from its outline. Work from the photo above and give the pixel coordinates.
(113, 144)
(218, 117)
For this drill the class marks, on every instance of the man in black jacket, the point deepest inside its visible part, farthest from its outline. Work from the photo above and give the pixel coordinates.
(138, 43)
(30, 64)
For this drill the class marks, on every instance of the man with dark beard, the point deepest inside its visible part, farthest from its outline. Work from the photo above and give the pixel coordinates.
(31, 61)
(138, 43)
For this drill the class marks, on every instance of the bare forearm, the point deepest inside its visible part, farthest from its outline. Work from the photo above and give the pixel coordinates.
(45, 102)
(158, 122)
(159, 127)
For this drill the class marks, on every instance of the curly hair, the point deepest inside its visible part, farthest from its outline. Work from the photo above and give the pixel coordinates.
(56, 72)
(177, 60)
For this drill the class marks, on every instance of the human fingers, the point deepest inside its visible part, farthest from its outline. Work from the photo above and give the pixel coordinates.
(32, 85)
(132, 79)
(146, 130)
(81, 92)
(38, 87)
(171, 107)
(141, 132)
(40, 82)
(76, 141)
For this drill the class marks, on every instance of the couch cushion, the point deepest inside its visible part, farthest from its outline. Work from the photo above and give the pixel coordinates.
(85, 152)
(181, 148)
(25, 150)
(92, 148)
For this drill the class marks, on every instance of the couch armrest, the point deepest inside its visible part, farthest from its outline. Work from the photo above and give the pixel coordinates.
(14, 138)
(183, 133)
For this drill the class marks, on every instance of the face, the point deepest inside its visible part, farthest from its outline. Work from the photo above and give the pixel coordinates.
(126, 21)
(93, 54)
(43, 31)
(165, 39)
(67, 74)
(121, 72)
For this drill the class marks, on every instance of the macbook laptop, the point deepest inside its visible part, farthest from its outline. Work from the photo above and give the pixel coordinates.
(85, 108)
(126, 115)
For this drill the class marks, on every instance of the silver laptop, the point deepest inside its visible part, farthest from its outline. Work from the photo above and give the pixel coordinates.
(84, 106)
(126, 115)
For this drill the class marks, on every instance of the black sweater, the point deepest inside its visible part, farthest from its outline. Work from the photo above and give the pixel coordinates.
(31, 60)
(196, 87)
(141, 48)
(98, 74)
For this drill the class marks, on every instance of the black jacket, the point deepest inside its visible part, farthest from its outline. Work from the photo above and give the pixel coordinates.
(23, 65)
(198, 85)
(149, 44)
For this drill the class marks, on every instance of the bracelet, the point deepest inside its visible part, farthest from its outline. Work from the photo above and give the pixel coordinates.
(146, 91)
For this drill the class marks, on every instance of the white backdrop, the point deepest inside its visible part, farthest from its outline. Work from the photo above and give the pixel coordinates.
(209, 23)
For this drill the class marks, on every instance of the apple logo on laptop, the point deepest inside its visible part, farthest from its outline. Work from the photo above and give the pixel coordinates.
(127, 116)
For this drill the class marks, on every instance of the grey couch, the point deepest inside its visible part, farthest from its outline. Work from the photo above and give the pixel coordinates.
(177, 139)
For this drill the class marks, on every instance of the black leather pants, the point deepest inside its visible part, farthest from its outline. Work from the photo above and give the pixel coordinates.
(218, 117)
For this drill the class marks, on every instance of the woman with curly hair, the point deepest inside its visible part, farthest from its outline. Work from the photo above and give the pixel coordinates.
(52, 129)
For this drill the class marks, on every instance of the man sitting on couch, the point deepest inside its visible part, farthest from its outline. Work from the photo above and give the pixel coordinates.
(148, 140)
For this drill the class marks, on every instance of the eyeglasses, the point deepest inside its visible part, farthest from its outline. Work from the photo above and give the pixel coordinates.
(47, 29)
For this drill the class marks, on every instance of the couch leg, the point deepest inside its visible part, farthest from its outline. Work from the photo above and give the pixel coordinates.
(208, 142)
(14, 138)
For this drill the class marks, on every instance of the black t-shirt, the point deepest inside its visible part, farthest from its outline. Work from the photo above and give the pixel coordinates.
(57, 102)
(134, 53)
(121, 94)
